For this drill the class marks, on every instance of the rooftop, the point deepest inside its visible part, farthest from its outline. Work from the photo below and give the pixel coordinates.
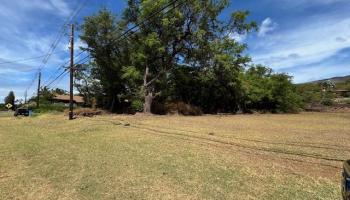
(76, 99)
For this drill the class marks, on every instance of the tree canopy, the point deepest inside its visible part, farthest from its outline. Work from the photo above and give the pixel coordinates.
(182, 53)
(10, 99)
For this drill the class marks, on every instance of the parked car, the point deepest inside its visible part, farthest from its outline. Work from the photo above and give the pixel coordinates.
(346, 181)
(22, 111)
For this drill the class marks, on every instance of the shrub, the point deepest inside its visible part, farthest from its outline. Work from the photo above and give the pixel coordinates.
(86, 112)
(137, 105)
(327, 102)
(46, 108)
(347, 101)
(183, 109)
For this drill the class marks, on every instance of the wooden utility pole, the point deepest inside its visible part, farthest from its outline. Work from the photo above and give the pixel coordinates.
(38, 96)
(25, 97)
(71, 68)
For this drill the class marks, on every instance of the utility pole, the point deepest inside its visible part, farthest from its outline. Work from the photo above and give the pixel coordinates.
(25, 97)
(38, 96)
(71, 68)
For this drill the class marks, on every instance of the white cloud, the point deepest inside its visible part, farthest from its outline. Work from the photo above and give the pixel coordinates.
(340, 39)
(267, 26)
(312, 42)
(317, 72)
(238, 37)
(61, 6)
(25, 33)
(58, 6)
(303, 3)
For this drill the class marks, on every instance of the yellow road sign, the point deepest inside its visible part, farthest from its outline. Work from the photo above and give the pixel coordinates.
(8, 106)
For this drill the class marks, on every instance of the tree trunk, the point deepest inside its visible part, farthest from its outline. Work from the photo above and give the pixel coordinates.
(111, 108)
(148, 92)
(148, 102)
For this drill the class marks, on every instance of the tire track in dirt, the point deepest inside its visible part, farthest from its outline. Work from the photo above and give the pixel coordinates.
(217, 143)
(193, 141)
(315, 156)
(230, 143)
(296, 144)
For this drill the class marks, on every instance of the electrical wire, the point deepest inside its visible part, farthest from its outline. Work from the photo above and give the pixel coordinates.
(148, 18)
(60, 35)
(127, 33)
(27, 59)
(64, 72)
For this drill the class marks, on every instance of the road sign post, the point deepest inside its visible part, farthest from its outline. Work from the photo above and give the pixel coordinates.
(9, 106)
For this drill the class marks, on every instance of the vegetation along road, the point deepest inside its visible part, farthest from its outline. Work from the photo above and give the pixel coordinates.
(150, 157)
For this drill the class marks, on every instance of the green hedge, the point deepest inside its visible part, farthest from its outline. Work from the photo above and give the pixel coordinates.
(47, 108)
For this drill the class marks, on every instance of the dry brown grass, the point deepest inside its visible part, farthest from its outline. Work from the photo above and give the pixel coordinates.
(174, 157)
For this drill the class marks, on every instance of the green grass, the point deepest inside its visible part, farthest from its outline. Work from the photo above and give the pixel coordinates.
(245, 157)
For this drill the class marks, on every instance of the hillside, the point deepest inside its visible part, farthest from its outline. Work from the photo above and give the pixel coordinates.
(342, 79)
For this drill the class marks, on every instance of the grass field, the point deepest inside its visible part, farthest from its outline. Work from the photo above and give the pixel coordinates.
(172, 157)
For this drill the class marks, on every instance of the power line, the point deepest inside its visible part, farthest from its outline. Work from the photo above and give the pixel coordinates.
(127, 33)
(80, 61)
(149, 17)
(32, 82)
(59, 80)
(53, 74)
(27, 59)
(79, 9)
(69, 19)
(53, 46)
(63, 65)
(63, 73)
(60, 35)
(72, 17)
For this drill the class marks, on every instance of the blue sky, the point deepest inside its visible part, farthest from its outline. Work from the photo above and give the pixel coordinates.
(308, 39)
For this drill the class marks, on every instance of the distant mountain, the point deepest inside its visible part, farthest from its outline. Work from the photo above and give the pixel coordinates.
(334, 79)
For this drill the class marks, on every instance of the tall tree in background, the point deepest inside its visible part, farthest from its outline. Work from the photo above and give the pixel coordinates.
(181, 53)
(187, 33)
(10, 98)
(87, 85)
(101, 33)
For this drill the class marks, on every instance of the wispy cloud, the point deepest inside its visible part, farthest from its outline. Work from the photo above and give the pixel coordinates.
(303, 45)
(306, 3)
(238, 37)
(267, 26)
(28, 28)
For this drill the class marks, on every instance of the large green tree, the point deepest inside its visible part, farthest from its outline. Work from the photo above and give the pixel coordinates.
(102, 33)
(187, 33)
(87, 85)
(10, 99)
(265, 90)
(185, 52)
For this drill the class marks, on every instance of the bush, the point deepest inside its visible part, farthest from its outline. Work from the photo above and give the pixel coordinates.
(47, 108)
(327, 102)
(183, 109)
(347, 102)
(2, 107)
(86, 112)
(267, 91)
(137, 105)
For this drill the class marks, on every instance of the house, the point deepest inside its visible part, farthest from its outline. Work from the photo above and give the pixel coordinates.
(78, 100)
